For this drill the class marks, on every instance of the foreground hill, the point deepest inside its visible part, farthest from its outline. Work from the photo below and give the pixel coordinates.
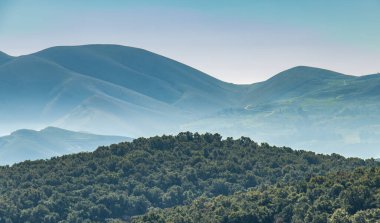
(117, 90)
(343, 197)
(121, 181)
(31, 145)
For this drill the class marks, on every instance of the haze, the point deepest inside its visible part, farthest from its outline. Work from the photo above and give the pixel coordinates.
(235, 41)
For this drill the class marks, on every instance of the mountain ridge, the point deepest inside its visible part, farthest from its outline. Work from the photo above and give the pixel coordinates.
(118, 90)
(46, 51)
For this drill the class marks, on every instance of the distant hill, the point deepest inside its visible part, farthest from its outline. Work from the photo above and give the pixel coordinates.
(31, 145)
(119, 90)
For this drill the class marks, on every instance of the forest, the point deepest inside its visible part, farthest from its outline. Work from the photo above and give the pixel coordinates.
(191, 178)
(341, 197)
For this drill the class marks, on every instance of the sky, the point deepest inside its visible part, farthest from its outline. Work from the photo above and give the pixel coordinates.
(240, 41)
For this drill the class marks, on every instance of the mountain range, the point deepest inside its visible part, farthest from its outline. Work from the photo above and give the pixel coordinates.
(118, 90)
(27, 144)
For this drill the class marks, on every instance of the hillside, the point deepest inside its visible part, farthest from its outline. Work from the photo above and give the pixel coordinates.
(119, 90)
(347, 197)
(121, 181)
(31, 145)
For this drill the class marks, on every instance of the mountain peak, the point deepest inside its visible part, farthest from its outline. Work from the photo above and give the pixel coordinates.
(102, 49)
(142, 71)
(307, 73)
(294, 82)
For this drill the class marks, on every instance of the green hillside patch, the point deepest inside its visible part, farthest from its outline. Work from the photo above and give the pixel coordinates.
(343, 197)
(128, 179)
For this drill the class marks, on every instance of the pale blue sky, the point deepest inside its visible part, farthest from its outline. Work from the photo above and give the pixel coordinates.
(236, 41)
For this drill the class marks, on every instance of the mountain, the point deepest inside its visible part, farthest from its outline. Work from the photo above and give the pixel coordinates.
(121, 86)
(4, 58)
(293, 83)
(308, 108)
(119, 90)
(30, 145)
(144, 72)
(189, 172)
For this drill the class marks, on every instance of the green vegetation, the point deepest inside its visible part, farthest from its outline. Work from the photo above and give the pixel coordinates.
(336, 198)
(120, 182)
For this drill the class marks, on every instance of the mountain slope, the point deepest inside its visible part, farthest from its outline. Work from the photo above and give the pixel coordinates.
(142, 71)
(293, 83)
(4, 58)
(53, 94)
(30, 145)
(108, 83)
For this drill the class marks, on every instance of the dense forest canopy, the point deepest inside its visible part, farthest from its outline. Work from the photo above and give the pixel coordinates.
(168, 177)
(343, 197)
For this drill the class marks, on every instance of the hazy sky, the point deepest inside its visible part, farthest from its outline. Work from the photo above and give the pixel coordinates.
(236, 41)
